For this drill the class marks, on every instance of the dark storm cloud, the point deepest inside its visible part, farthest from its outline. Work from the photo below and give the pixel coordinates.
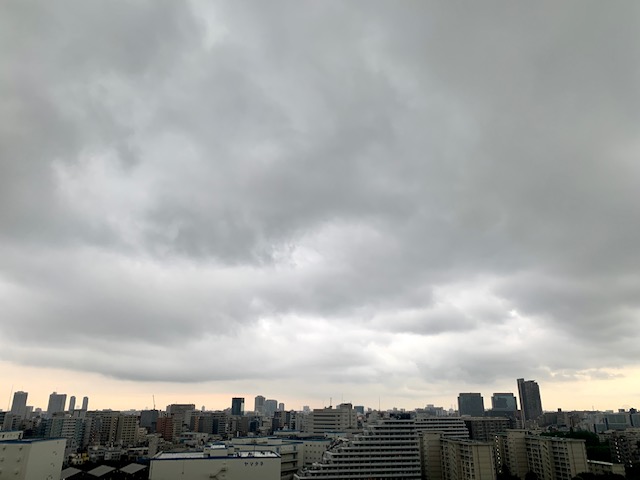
(388, 188)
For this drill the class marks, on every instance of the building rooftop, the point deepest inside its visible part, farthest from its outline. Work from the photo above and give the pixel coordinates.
(28, 440)
(221, 453)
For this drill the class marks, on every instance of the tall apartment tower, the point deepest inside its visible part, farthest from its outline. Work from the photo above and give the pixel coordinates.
(258, 405)
(85, 403)
(19, 405)
(237, 406)
(57, 402)
(530, 402)
(471, 404)
(72, 403)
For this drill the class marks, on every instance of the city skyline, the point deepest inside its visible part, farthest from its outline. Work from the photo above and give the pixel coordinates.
(223, 401)
(386, 205)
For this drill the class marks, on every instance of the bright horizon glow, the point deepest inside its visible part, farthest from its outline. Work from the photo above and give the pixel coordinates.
(109, 393)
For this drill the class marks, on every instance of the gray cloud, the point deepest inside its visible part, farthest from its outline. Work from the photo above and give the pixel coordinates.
(337, 183)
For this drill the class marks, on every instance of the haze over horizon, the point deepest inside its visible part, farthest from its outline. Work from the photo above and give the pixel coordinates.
(308, 200)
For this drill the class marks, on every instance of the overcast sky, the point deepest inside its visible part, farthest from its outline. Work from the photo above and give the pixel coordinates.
(306, 200)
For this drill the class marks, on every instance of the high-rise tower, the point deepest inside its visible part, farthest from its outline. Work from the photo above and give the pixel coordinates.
(57, 402)
(258, 405)
(237, 406)
(19, 405)
(530, 402)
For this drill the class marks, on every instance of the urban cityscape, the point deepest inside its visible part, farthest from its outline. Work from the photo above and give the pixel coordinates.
(322, 239)
(510, 437)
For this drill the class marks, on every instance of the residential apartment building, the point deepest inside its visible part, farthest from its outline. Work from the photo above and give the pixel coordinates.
(624, 444)
(550, 458)
(484, 429)
(387, 448)
(456, 459)
(451, 427)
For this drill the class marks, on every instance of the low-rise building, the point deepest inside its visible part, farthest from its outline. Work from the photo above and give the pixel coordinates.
(216, 462)
(291, 451)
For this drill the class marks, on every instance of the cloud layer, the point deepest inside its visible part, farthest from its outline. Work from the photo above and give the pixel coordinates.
(372, 195)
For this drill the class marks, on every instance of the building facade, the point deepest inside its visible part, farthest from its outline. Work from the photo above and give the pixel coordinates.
(34, 459)
(504, 402)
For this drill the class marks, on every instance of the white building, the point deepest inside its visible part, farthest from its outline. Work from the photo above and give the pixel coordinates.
(217, 463)
(291, 451)
(388, 448)
(33, 459)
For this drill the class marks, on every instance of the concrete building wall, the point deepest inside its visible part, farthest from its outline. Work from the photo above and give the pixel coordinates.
(32, 459)
(313, 450)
